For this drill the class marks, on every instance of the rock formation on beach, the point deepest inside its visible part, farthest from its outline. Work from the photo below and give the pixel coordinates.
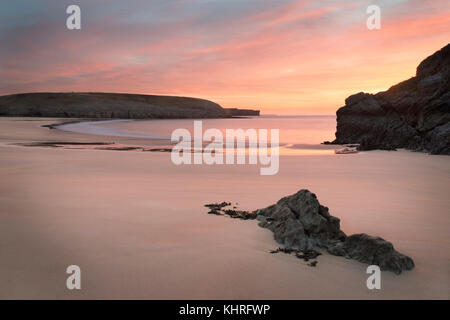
(107, 105)
(300, 221)
(413, 114)
(301, 224)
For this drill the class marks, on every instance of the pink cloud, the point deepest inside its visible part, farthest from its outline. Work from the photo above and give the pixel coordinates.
(295, 58)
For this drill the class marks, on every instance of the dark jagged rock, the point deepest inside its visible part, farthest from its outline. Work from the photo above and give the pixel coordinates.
(300, 222)
(414, 114)
(372, 250)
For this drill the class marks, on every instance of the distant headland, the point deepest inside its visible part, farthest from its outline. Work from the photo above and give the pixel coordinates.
(113, 106)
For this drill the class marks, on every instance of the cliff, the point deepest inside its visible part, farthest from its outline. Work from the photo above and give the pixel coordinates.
(413, 114)
(235, 112)
(107, 105)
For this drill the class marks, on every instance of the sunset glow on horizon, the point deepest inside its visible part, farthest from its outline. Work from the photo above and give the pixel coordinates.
(282, 57)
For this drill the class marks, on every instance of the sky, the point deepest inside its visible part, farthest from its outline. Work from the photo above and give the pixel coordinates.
(280, 56)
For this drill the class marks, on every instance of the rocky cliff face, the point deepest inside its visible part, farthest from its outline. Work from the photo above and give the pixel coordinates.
(413, 114)
(107, 105)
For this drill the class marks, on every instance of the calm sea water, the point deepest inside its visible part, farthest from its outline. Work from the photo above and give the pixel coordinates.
(295, 131)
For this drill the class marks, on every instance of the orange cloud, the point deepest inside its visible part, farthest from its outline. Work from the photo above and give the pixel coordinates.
(295, 57)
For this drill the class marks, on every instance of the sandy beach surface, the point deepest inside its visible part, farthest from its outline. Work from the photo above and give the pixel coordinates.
(135, 223)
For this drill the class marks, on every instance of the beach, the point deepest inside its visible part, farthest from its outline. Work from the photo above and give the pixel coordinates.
(135, 223)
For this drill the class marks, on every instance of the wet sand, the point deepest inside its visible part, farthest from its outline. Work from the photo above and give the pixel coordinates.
(135, 223)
